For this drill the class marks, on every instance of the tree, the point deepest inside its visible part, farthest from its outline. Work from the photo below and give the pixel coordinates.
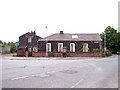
(4, 43)
(1, 42)
(118, 41)
(12, 47)
(112, 40)
(8, 43)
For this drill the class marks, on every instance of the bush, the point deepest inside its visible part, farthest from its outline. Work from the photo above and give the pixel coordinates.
(29, 54)
(50, 54)
(108, 53)
(104, 54)
(6, 52)
(118, 53)
(14, 55)
(96, 50)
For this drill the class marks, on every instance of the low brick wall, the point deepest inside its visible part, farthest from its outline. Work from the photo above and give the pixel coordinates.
(58, 54)
(20, 53)
(38, 54)
(26, 53)
(89, 54)
(71, 54)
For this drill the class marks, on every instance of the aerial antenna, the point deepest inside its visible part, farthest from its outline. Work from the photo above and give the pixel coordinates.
(35, 28)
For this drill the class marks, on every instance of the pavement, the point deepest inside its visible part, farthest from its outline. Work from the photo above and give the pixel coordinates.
(77, 72)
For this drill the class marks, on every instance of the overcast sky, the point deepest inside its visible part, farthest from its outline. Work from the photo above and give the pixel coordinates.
(71, 16)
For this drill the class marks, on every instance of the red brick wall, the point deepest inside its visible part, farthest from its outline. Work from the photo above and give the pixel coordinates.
(38, 54)
(26, 53)
(20, 53)
(76, 54)
(58, 54)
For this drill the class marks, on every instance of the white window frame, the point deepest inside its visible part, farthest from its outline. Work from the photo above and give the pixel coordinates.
(30, 49)
(73, 47)
(96, 42)
(60, 50)
(74, 36)
(48, 44)
(35, 49)
(85, 49)
(29, 40)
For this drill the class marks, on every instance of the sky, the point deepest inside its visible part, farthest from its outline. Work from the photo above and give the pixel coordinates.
(72, 16)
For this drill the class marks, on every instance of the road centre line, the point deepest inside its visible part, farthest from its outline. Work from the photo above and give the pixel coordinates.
(51, 72)
(20, 77)
(28, 76)
(77, 83)
(43, 73)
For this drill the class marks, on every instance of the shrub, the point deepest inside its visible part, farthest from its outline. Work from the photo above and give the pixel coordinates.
(108, 53)
(96, 50)
(6, 52)
(14, 55)
(29, 54)
(118, 53)
(50, 54)
(103, 54)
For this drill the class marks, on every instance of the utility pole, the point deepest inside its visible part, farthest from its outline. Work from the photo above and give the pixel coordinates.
(46, 41)
(105, 43)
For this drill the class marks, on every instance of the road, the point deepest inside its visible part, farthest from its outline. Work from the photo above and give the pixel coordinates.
(62, 73)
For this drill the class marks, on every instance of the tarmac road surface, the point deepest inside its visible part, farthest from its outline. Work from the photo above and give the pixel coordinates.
(62, 73)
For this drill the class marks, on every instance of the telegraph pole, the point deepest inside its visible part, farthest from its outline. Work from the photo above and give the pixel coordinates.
(46, 41)
(105, 43)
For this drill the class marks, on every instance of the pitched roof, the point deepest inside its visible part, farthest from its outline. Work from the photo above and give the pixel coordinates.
(73, 37)
(23, 46)
(30, 34)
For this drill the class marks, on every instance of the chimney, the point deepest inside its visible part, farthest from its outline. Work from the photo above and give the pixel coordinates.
(61, 32)
(34, 33)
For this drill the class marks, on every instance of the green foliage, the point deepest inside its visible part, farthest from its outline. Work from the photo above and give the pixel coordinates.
(9, 44)
(96, 50)
(50, 54)
(112, 39)
(1, 42)
(29, 54)
(6, 52)
(118, 53)
(12, 47)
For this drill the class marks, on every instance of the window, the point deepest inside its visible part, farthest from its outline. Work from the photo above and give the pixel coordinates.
(72, 47)
(35, 49)
(30, 49)
(74, 36)
(29, 39)
(48, 47)
(96, 42)
(60, 47)
(85, 47)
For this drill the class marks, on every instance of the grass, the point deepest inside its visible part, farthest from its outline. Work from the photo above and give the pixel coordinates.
(6, 52)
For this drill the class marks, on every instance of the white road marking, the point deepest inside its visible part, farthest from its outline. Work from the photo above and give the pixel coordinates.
(51, 72)
(77, 83)
(32, 75)
(20, 77)
(43, 73)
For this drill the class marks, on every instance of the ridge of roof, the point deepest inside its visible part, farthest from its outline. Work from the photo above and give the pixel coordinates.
(30, 34)
(67, 36)
(73, 34)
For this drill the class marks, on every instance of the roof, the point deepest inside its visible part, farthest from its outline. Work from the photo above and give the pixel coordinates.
(73, 37)
(23, 46)
(29, 34)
